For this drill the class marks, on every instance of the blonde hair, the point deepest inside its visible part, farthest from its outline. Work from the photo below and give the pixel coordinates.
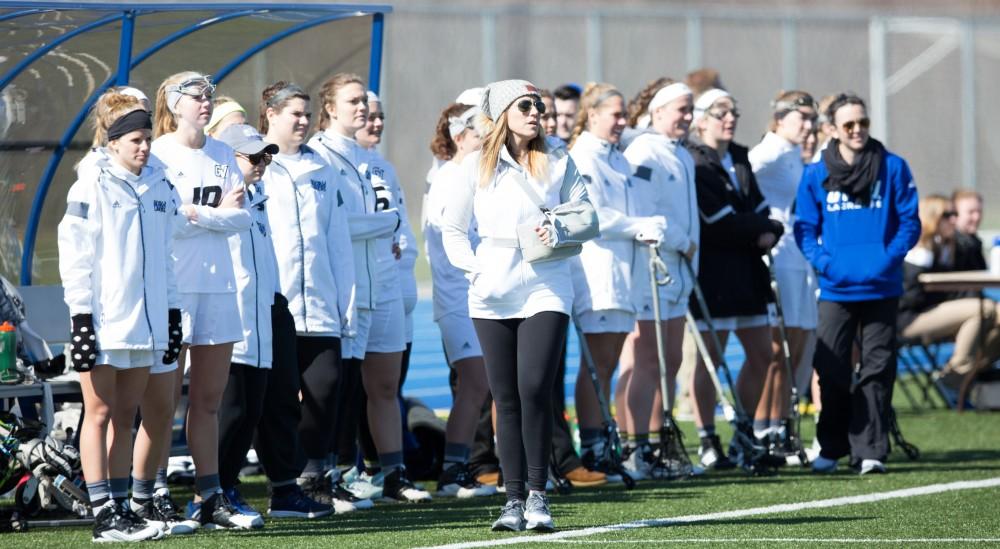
(931, 212)
(788, 98)
(496, 136)
(111, 105)
(593, 95)
(328, 94)
(164, 121)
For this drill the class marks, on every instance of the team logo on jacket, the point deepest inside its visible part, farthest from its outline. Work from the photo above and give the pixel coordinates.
(318, 185)
(160, 206)
(377, 171)
(116, 204)
(837, 201)
(221, 170)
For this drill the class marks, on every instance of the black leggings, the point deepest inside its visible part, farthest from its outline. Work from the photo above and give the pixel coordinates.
(320, 368)
(240, 410)
(522, 356)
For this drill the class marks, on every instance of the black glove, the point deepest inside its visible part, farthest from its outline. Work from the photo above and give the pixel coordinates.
(777, 228)
(83, 343)
(175, 336)
(280, 301)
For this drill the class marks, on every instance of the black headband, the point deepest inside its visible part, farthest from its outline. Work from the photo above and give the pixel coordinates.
(135, 120)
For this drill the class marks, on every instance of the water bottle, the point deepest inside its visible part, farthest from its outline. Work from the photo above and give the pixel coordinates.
(995, 257)
(8, 352)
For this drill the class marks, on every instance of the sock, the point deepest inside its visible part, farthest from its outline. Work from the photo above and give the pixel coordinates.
(761, 428)
(654, 439)
(390, 461)
(99, 492)
(207, 486)
(161, 480)
(119, 488)
(706, 431)
(142, 490)
(455, 454)
(314, 468)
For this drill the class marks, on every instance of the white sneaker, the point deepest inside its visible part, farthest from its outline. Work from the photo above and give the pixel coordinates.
(362, 485)
(872, 466)
(824, 465)
(537, 514)
(639, 464)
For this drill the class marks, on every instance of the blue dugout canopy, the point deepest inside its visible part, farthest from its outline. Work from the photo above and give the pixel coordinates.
(57, 58)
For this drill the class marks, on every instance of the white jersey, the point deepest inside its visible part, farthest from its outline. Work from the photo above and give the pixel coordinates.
(371, 221)
(115, 255)
(386, 186)
(504, 285)
(603, 272)
(202, 178)
(256, 271)
(777, 164)
(308, 220)
(407, 241)
(664, 185)
(450, 287)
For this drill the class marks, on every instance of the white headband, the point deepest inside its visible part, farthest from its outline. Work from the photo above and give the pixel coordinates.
(462, 122)
(373, 97)
(662, 97)
(706, 100)
(133, 92)
(471, 96)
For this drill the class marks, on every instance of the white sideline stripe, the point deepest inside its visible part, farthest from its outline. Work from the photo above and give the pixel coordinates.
(778, 540)
(738, 513)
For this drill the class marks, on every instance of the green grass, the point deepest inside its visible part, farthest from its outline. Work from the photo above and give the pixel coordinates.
(953, 448)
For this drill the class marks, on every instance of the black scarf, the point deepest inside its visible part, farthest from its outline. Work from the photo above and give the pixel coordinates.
(853, 180)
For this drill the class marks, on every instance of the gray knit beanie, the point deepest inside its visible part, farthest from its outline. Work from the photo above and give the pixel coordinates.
(499, 95)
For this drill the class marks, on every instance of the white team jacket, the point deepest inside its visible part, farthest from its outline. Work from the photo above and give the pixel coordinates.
(451, 288)
(602, 273)
(777, 164)
(406, 239)
(371, 218)
(504, 285)
(306, 211)
(115, 259)
(663, 180)
(256, 270)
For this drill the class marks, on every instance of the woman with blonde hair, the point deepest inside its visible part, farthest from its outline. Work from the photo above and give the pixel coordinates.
(520, 308)
(226, 112)
(210, 184)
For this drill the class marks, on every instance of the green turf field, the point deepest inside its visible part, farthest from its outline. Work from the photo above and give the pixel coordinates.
(954, 448)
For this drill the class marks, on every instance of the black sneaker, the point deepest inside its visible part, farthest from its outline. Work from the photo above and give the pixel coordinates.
(396, 487)
(457, 481)
(317, 488)
(217, 513)
(161, 509)
(711, 454)
(296, 504)
(112, 522)
(344, 501)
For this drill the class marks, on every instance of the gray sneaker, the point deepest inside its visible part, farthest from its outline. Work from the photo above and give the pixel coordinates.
(537, 515)
(511, 517)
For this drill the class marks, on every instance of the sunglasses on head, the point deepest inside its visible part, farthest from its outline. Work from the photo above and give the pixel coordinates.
(525, 105)
(258, 158)
(860, 123)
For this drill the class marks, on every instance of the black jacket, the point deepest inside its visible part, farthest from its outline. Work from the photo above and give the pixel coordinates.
(969, 253)
(731, 272)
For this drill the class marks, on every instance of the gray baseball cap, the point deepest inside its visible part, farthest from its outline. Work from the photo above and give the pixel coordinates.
(245, 139)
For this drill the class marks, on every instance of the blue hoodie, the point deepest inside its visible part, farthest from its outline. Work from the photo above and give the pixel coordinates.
(858, 250)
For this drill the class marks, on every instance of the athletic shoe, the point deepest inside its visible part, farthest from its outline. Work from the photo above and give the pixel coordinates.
(112, 522)
(581, 477)
(396, 487)
(511, 517)
(536, 513)
(824, 465)
(711, 455)
(242, 507)
(640, 461)
(342, 498)
(456, 481)
(813, 451)
(296, 504)
(591, 462)
(317, 488)
(872, 466)
(162, 510)
(362, 485)
(217, 513)
(180, 470)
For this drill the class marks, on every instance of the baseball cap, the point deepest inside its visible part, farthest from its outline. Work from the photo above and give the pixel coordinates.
(245, 139)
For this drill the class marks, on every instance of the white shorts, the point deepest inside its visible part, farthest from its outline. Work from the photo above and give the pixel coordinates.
(730, 323)
(798, 299)
(610, 321)
(459, 337)
(124, 359)
(668, 310)
(382, 330)
(210, 319)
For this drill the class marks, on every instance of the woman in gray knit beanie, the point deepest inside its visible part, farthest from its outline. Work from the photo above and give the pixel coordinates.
(520, 309)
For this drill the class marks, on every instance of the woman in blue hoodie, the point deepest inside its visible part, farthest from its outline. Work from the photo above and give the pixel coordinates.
(856, 219)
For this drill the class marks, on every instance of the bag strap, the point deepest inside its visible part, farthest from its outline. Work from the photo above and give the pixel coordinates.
(564, 189)
(531, 194)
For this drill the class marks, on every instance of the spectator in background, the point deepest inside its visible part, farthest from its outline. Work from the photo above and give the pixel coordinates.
(968, 205)
(825, 129)
(856, 216)
(702, 80)
(225, 112)
(549, 118)
(567, 101)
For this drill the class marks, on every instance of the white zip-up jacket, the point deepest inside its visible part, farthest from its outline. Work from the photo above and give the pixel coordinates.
(450, 285)
(115, 254)
(406, 239)
(371, 222)
(306, 211)
(504, 285)
(777, 164)
(202, 178)
(386, 187)
(664, 185)
(256, 269)
(602, 273)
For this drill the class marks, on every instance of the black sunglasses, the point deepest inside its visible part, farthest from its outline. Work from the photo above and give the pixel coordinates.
(949, 213)
(861, 123)
(258, 158)
(525, 105)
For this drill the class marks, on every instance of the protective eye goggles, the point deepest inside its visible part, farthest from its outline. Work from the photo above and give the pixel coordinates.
(199, 88)
(525, 105)
(721, 114)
